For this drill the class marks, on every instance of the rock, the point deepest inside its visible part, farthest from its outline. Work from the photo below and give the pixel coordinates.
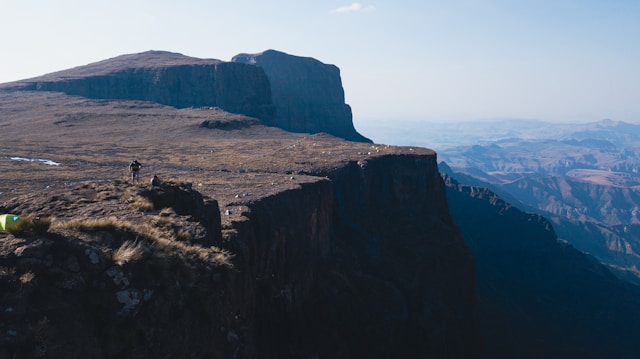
(307, 94)
(130, 298)
(169, 79)
(297, 94)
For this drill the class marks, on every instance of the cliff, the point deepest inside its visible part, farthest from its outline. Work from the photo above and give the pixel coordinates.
(294, 93)
(315, 270)
(166, 78)
(307, 94)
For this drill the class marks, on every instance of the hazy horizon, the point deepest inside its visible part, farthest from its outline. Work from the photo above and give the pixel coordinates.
(445, 135)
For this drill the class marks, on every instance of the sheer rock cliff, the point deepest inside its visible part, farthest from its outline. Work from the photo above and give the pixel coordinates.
(361, 260)
(307, 94)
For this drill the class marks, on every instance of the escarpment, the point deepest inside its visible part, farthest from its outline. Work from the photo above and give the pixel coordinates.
(169, 79)
(294, 93)
(363, 256)
(357, 260)
(307, 94)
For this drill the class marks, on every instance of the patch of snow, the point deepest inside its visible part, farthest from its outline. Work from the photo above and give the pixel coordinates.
(45, 161)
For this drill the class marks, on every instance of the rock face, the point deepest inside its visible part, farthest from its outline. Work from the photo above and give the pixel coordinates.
(539, 297)
(363, 262)
(341, 282)
(307, 94)
(169, 79)
(297, 94)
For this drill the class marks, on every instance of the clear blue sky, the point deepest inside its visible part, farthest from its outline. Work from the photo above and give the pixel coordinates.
(432, 60)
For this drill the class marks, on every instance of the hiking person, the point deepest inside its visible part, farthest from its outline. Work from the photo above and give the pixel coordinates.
(134, 168)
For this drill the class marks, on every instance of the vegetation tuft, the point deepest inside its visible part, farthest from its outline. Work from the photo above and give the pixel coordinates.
(129, 251)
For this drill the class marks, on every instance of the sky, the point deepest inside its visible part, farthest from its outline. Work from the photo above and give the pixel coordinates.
(422, 60)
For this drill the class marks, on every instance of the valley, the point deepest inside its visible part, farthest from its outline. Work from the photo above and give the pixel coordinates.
(582, 176)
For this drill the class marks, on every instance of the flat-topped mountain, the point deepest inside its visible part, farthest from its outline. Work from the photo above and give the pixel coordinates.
(308, 96)
(145, 60)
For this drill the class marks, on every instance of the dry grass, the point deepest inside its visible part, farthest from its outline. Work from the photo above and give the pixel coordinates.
(7, 271)
(27, 277)
(183, 235)
(128, 252)
(163, 240)
(161, 221)
(109, 224)
(142, 204)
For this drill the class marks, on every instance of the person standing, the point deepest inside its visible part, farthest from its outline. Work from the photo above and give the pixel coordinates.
(134, 169)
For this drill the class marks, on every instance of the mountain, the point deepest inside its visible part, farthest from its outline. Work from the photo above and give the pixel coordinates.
(180, 81)
(264, 243)
(584, 178)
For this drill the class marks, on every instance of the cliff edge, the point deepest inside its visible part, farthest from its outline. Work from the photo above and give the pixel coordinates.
(307, 94)
(360, 260)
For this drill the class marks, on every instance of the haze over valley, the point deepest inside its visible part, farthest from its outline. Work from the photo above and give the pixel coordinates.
(583, 176)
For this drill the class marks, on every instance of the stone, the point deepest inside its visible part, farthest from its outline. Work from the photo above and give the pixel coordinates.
(307, 94)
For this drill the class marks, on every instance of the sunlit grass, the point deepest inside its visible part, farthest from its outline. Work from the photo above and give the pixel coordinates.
(128, 252)
(160, 241)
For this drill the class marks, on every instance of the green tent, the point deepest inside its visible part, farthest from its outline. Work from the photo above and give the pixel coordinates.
(8, 220)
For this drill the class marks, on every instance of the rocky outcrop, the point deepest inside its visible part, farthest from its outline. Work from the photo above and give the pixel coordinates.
(307, 94)
(166, 78)
(364, 261)
(102, 286)
(539, 297)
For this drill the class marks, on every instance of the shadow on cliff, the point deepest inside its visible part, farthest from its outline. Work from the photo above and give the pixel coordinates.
(538, 297)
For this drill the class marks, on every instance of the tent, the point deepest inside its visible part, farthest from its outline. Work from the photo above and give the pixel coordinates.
(8, 220)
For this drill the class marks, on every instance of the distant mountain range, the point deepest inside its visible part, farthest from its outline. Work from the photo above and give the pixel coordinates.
(584, 177)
